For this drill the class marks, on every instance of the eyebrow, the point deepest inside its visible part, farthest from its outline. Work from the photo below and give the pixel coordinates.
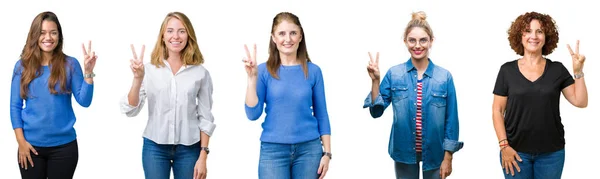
(174, 28)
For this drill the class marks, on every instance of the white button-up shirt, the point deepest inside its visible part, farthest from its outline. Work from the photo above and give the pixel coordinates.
(179, 106)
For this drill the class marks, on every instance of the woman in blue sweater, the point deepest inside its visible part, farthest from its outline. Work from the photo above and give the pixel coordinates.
(295, 142)
(45, 79)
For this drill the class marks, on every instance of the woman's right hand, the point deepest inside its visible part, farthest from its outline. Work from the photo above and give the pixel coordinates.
(250, 62)
(25, 150)
(508, 160)
(137, 64)
(373, 67)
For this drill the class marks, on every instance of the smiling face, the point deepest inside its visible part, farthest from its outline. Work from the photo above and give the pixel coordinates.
(175, 36)
(48, 39)
(287, 36)
(533, 38)
(418, 43)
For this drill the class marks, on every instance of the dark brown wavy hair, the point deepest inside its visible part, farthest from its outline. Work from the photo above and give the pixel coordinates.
(515, 33)
(31, 57)
(274, 60)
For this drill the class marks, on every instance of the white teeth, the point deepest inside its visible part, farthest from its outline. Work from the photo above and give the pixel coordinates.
(175, 42)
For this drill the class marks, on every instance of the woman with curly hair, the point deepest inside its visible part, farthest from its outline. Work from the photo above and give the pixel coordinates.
(527, 92)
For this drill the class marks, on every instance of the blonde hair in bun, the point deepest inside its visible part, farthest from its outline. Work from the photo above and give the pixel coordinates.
(418, 20)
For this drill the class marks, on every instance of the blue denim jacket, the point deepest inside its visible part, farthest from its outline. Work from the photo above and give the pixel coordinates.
(439, 111)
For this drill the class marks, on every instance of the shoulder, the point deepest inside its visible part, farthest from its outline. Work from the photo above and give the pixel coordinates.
(71, 60)
(554, 63)
(441, 73)
(313, 68)
(397, 69)
(18, 66)
(509, 64)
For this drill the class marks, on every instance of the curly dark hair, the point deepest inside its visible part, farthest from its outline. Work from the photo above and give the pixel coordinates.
(515, 33)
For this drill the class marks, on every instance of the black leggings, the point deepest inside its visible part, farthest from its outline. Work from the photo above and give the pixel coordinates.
(52, 162)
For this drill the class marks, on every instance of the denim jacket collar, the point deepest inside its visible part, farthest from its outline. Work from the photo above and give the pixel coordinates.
(428, 71)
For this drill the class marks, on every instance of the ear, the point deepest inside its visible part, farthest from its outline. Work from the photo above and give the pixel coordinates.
(273, 38)
(301, 37)
(431, 42)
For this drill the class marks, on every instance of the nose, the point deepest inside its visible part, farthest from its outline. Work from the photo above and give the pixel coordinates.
(288, 38)
(47, 36)
(176, 36)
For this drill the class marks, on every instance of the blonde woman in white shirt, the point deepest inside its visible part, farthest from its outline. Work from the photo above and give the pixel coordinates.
(179, 93)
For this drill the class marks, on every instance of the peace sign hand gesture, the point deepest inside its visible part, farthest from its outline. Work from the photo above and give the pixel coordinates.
(137, 64)
(373, 67)
(250, 62)
(90, 57)
(578, 59)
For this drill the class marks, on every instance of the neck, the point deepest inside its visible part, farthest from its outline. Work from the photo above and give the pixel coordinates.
(46, 57)
(420, 64)
(532, 58)
(174, 57)
(288, 59)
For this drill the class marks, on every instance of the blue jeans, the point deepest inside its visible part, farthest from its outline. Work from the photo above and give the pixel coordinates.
(157, 160)
(538, 165)
(411, 171)
(290, 161)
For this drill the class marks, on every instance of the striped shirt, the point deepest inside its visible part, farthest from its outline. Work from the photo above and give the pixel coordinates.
(419, 137)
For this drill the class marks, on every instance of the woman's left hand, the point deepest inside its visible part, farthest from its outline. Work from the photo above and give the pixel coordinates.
(323, 166)
(578, 59)
(200, 168)
(90, 57)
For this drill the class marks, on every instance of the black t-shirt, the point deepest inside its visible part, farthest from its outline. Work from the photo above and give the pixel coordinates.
(532, 117)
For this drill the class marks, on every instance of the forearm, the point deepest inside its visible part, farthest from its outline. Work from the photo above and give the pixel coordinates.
(374, 90)
(251, 97)
(326, 140)
(133, 96)
(204, 139)
(19, 135)
(447, 155)
(498, 121)
(581, 94)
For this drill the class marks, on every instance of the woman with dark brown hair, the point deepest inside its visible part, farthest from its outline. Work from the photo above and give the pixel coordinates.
(45, 79)
(295, 142)
(527, 92)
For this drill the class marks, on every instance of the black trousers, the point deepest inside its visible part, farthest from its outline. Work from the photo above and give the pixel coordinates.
(52, 162)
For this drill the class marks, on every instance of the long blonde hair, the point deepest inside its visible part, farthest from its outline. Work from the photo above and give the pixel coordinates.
(190, 55)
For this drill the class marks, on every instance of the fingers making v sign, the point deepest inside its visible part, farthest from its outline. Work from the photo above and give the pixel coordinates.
(250, 61)
(373, 67)
(137, 64)
(578, 59)
(90, 57)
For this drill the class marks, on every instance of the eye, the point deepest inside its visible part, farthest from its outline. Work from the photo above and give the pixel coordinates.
(412, 40)
(293, 33)
(540, 31)
(54, 33)
(281, 33)
(423, 40)
(182, 31)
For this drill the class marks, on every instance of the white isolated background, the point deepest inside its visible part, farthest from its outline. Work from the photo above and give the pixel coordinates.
(471, 42)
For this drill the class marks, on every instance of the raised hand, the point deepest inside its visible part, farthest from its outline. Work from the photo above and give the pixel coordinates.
(373, 67)
(137, 64)
(250, 62)
(578, 59)
(90, 57)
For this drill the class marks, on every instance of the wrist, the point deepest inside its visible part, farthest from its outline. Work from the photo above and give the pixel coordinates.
(578, 75)
(21, 141)
(88, 74)
(328, 154)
